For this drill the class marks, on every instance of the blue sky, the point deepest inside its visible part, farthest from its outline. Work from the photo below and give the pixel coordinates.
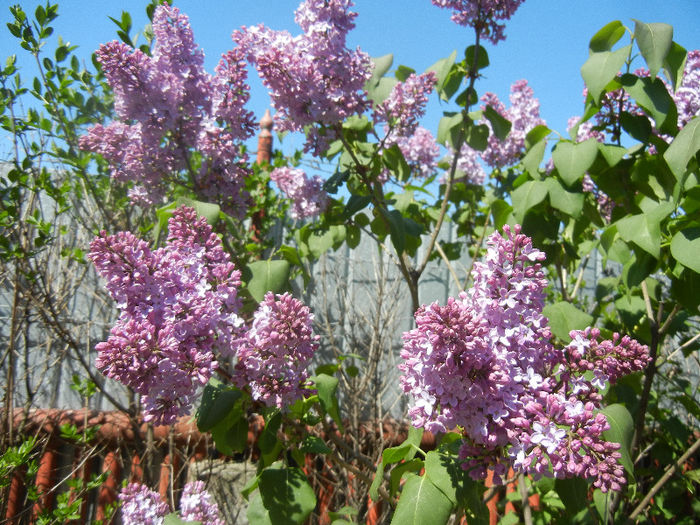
(547, 40)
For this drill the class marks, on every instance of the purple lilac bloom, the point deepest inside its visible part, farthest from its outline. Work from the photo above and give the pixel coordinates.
(469, 169)
(196, 504)
(178, 307)
(314, 78)
(420, 151)
(524, 115)
(168, 106)
(306, 193)
(142, 506)
(687, 96)
(274, 353)
(405, 105)
(482, 15)
(485, 363)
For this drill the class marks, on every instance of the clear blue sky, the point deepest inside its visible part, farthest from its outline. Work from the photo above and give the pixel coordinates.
(547, 40)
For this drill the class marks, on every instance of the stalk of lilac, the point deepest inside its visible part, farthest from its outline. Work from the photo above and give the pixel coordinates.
(178, 307)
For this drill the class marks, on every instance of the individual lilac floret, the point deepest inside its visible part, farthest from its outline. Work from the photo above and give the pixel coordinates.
(482, 15)
(274, 354)
(314, 78)
(405, 105)
(523, 114)
(308, 197)
(196, 504)
(141, 506)
(168, 107)
(178, 307)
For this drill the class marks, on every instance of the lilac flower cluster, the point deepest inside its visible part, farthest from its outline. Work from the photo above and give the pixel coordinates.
(405, 105)
(196, 504)
(687, 96)
(142, 506)
(274, 353)
(313, 77)
(168, 106)
(482, 15)
(485, 363)
(178, 306)
(523, 114)
(306, 193)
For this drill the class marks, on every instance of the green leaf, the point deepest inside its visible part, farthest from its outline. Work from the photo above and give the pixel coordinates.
(573, 160)
(397, 230)
(381, 66)
(231, 436)
(208, 210)
(327, 386)
(382, 90)
(643, 230)
(612, 154)
(685, 248)
(527, 196)
(449, 127)
(564, 317)
(217, 401)
(566, 201)
(536, 134)
(257, 514)
(499, 124)
(395, 162)
(683, 148)
(606, 37)
(421, 503)
(601, 68)
(477, 137)
(286, 495)
(651, 95)
(403, 72)
(398, 471)
(267, 276)
(405, 451)
(674, 65)
(482, 58)
(442, 69)
(620, 431)
(319, 243)
(654, 41)
(573, 493)
(313, 445)
(533, 158)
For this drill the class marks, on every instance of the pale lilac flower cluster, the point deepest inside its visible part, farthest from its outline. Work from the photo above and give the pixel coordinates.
(142, 506)
(274, 353)
(306, 193)
(196, 504)
(169, 106)
(484, 16)
(469, 169)
(687, 96)
(420, 151)
(523, 114)
(485, 363)
(405, 105)
(178, 307)
(313, 77)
